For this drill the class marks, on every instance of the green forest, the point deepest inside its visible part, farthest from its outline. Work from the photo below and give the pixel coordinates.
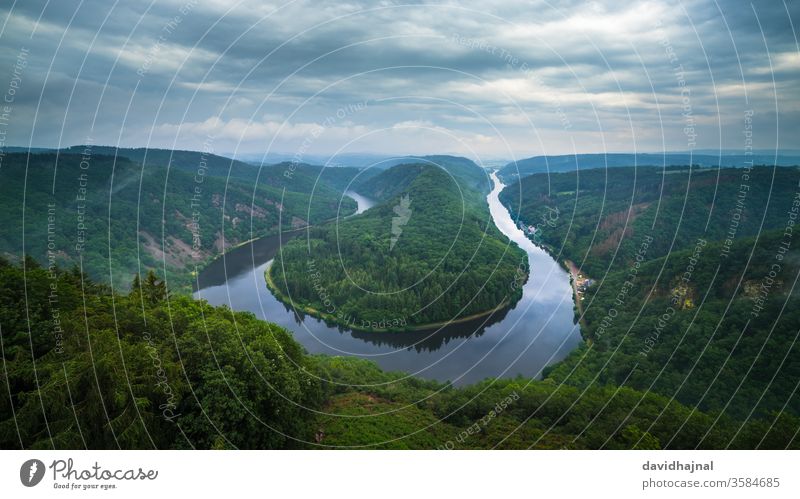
(690, 328)
(696, 271)
(115, 217)
(91, 367)
(452, 225)
(598, 217)
(427, 253)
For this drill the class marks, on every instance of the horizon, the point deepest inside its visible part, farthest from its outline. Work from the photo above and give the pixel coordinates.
(317, 158)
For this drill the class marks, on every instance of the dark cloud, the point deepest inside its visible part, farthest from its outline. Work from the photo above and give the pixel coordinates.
(527, 77)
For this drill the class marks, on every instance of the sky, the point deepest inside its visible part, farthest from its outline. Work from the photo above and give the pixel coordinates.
(485, 80)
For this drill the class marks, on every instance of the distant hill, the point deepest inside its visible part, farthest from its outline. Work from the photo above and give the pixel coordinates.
(292, 175)
(302, 176)
(121, 218)
(603, 209)
(464, 170)
(32, 150)
(572, 162)
(356, 160)
(188, 161)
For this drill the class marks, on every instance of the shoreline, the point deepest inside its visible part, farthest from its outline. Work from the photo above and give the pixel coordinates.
(355, 327)
(330, 318)
(570, 267)
(198, 270)
(576, 295)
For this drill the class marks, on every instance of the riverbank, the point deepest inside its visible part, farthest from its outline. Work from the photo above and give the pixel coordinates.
(287, 234)
(577, 281)
(354, 326)
(529, 334)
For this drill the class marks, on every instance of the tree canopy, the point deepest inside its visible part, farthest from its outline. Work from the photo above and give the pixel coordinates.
(428, 252)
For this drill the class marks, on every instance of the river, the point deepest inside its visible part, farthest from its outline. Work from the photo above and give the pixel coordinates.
(538, 331)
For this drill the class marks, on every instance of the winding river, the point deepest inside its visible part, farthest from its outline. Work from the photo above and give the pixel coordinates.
(538, 331)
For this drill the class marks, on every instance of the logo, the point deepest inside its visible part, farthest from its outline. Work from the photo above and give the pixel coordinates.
(403, 214)
(31, 472)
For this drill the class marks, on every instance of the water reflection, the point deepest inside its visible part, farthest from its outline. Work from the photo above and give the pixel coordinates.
(536, 332)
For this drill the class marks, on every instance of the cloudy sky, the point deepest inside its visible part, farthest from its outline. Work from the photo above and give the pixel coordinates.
(518, 79)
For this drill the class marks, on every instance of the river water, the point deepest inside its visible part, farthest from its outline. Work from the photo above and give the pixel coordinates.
(536, 332)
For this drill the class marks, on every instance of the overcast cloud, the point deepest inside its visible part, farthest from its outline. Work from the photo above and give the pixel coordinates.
(518, 79)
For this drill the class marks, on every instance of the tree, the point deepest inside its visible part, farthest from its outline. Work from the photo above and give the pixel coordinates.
(154, 290)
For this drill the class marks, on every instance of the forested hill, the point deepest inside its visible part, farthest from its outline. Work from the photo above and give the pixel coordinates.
(295, 176)
(717, 333)
(144, 370)
(188, 161)
(695, 273)
(572, 162)
(602, 215)
(464, 170)
(314, 179)
(390, 183)
(427, 253)
(117, 217)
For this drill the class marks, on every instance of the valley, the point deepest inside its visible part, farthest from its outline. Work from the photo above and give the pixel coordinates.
(417, 275)
(518, 340)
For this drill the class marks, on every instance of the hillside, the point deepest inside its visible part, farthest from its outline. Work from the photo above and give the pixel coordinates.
(427, 253)
(303, 177)
(172, 373)
(598, 216)
(117, 218)
(572, 162)
(187, 161)
(300, 177)
(694, 295)
(464, 170)
(718, 340)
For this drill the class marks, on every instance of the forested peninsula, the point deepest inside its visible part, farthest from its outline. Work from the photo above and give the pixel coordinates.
(426, 254)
